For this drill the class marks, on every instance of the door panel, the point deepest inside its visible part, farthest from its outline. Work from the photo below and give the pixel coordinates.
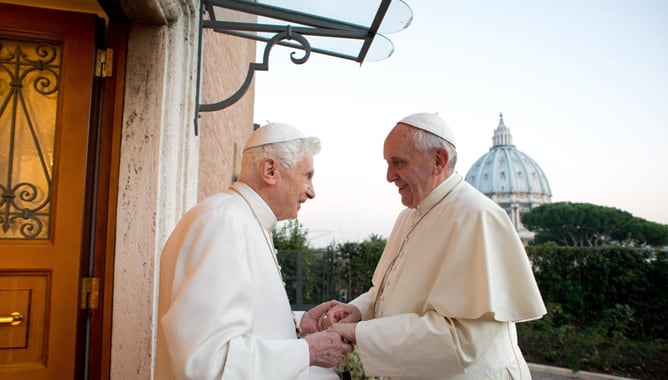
(24, 293)
(46, 71)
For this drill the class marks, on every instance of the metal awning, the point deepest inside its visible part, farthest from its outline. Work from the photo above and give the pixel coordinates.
(348, 29)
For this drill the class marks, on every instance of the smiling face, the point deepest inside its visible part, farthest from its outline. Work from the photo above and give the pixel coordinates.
(415, 174)
(293, 187)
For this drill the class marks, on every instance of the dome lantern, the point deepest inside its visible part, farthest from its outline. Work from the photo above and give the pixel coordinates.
(502, 135)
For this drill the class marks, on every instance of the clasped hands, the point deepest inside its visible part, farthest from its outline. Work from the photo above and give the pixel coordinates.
(330, 332)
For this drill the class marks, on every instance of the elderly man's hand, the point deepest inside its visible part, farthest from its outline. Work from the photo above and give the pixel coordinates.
(310, 319)
(327, 349)
(347, 331)
(339, 313)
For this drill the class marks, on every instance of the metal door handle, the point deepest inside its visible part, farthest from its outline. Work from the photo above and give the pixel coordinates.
(14, 319)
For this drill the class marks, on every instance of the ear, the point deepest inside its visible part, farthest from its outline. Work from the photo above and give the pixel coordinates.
(268, 170)
(441, 158)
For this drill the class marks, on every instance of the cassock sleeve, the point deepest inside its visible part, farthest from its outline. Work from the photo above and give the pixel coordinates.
(207, 326)
(364, 302)
(421, 346)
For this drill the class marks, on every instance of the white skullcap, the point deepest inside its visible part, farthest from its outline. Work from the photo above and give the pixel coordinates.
(273, 133)
(431, 123)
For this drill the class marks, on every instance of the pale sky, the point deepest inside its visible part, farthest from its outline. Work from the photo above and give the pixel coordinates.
(582, 84)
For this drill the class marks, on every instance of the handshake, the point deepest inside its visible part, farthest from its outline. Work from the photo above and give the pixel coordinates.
(329, 330)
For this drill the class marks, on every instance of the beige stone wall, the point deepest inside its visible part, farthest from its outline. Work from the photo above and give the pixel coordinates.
(224, 133)
(157, 180)
(164, 168)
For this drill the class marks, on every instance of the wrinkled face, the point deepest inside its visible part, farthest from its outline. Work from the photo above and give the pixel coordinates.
(295, 186)
(407, 167)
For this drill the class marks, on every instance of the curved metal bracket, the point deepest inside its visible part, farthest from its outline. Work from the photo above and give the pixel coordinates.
(288, 34)
(284, 34)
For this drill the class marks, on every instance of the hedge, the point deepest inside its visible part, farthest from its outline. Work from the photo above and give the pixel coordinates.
(590, 283)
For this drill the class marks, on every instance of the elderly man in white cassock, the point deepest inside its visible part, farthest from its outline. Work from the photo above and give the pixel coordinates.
(223, 310)
(453, 279)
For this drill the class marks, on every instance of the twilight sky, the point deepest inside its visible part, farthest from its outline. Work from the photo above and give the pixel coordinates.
(582, 84)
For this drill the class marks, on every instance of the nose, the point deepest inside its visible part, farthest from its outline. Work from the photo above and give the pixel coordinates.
(390, 176)
(310, 191)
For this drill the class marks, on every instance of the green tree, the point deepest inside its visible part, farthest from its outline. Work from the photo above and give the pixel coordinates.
(643, 231)
(292, 236)
(291, 241)
(589, 225)
(355, 263)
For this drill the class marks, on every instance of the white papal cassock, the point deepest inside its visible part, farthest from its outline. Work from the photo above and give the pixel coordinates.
(449, 286)
(223, 309)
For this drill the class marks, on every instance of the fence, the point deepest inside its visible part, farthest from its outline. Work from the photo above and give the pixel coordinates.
(309, 277)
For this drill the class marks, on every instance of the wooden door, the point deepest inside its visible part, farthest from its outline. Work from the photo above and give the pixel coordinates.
(46, 72)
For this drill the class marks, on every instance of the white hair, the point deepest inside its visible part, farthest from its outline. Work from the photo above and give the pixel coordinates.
(287, 153)
(427, 142)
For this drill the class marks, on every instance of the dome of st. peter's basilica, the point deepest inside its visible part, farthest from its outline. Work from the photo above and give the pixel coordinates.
(510, 178)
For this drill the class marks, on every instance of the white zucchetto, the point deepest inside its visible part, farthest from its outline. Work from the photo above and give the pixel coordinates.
(431, 123)
(273, 133)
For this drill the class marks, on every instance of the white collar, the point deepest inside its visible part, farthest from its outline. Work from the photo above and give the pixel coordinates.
(438, 193)
(261, 209)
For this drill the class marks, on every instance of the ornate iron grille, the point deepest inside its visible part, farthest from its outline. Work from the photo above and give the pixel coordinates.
(29, 91)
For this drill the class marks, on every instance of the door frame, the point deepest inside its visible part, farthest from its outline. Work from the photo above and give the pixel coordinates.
(95, 326)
